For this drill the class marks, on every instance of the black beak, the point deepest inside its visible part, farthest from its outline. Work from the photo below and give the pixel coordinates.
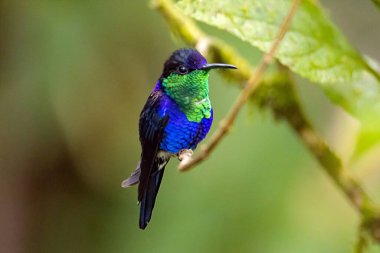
(218, 66)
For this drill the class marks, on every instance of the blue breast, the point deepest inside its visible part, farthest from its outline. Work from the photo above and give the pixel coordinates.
(179, 132)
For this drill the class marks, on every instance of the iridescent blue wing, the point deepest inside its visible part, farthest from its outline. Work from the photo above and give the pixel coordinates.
(151, 127)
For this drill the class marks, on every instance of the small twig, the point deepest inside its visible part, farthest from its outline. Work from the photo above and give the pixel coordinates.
(279, 95)
(361, 243)
(252, 84)
(290, 111)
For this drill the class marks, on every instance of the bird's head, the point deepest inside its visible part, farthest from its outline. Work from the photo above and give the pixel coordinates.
(187, 70)
(186, 60)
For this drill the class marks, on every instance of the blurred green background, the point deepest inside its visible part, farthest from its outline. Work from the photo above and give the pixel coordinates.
(74, 76)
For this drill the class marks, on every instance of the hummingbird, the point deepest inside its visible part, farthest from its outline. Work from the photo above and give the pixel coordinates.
(176, 117)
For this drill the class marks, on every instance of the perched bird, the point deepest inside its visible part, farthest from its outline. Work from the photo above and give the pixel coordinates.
(177, 116)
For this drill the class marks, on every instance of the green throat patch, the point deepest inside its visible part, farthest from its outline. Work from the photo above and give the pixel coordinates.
(190, 92)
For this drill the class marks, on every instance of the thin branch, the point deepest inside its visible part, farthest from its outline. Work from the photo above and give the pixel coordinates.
(279, 95)
(252, 84)
(287, 108)
(362, 241)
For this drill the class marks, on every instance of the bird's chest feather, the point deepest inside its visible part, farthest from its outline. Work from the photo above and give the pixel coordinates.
(190, 94)
(180, 132)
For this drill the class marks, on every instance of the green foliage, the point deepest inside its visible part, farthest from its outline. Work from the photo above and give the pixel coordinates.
(377, 2)
(313, 48)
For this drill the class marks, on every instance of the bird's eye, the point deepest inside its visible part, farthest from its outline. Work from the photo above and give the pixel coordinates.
(182, 70)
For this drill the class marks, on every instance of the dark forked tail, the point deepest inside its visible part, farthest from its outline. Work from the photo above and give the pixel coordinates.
(149, 197)
(148, 190)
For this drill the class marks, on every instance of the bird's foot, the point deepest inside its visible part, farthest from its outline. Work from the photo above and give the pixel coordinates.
(185, 154)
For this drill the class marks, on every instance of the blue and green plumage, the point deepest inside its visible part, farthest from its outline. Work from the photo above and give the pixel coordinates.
(176, 116)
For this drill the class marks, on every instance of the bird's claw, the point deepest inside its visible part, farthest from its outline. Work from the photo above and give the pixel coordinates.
(185, 154)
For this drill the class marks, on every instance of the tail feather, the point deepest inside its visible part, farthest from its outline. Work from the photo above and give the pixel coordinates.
(149, 197)
(133, 179)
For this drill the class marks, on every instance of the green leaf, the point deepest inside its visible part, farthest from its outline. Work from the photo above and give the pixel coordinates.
(377, 3)
(313, 48)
